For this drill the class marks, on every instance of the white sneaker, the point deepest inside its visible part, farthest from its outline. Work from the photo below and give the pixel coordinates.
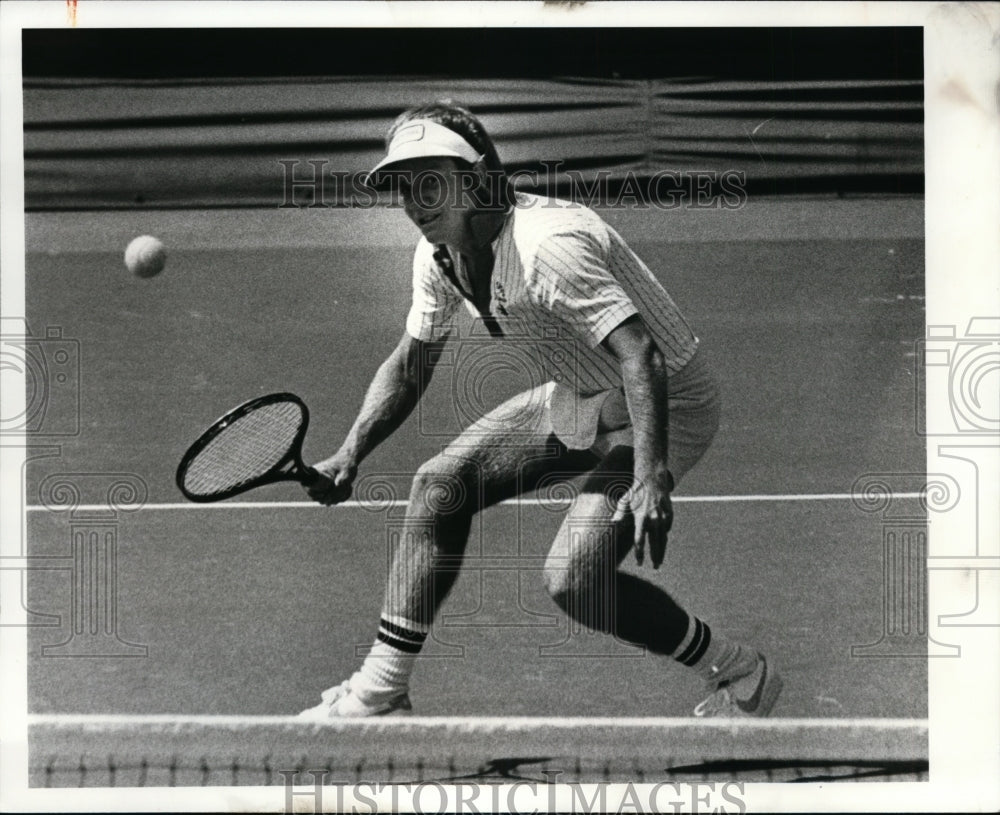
(343, 701)
(747, 694)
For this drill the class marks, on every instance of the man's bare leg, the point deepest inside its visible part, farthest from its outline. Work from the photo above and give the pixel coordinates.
(582, 576)
(500, 456)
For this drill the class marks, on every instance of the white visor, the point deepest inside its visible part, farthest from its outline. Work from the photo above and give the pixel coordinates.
(423, 138)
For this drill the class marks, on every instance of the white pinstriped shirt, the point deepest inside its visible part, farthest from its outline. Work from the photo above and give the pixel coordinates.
(563, 279)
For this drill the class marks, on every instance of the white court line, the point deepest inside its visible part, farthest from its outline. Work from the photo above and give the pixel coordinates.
(483, 722)
(380, 505)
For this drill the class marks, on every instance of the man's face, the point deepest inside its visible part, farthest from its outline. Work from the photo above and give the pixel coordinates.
(435, 193)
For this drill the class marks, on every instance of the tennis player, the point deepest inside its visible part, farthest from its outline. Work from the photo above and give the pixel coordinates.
(627, 408)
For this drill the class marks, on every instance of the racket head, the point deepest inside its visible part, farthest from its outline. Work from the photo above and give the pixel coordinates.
(256, 443)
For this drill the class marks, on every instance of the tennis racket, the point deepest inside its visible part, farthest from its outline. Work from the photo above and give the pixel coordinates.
(257, 443)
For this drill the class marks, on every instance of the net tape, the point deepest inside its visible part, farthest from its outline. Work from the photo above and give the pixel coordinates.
(244, 450)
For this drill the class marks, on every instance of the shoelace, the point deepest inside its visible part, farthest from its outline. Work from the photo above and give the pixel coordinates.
(720, 700)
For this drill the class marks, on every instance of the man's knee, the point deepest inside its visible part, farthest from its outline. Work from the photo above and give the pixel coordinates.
(558, 582)
(442, 486)
(568, 577)
(584, 591)
(586, 553)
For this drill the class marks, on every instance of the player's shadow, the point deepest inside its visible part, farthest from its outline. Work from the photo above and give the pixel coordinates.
(804, 771)
(503, 769)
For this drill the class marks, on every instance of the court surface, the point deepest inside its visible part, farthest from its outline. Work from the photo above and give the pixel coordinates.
(253, 609)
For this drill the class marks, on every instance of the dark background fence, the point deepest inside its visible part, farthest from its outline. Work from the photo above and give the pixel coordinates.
(194, 118)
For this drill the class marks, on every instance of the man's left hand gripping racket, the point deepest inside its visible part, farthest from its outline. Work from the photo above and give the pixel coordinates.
(257, 443)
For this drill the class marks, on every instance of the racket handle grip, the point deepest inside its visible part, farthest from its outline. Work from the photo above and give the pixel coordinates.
(309, 476)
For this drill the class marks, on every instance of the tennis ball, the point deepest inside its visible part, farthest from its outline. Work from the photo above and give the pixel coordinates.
(145, 256)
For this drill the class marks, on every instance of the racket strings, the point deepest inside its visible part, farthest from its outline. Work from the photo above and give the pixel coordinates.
(248, 448)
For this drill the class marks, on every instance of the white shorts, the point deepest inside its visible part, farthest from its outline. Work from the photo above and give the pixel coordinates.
(599, 422)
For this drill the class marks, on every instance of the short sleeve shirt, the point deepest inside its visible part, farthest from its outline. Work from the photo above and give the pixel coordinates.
(563, 279)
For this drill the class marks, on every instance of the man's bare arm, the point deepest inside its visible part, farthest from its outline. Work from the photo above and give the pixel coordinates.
(644, 375)
(391, 397)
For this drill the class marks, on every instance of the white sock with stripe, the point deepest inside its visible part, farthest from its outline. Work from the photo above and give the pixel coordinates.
(393, 655)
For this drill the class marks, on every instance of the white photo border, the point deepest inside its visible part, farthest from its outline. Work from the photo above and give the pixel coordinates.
(962, 205)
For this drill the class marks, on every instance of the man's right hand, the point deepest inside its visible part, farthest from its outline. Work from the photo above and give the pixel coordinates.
(393, 393)
(337, 474)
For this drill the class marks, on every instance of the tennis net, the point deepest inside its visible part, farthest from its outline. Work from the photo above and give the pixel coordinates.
(162, 751)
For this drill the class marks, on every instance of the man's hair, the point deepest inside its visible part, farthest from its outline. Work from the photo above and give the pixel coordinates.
(456, 118)
(496, 191)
